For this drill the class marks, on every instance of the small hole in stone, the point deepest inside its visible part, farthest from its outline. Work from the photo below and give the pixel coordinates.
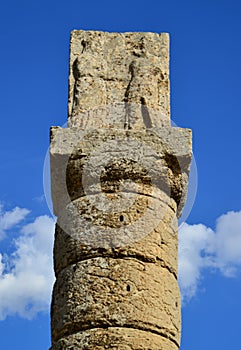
(176, 304)
(121, 218)
(128, 288)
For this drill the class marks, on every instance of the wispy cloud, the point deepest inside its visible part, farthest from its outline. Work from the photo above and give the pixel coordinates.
(11, 218)
(26, 276)
(202, 248)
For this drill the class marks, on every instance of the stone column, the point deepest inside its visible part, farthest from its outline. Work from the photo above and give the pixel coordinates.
(119, 176)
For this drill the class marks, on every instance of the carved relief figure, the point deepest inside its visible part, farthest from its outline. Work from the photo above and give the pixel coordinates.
(143, 88)
(89, 86)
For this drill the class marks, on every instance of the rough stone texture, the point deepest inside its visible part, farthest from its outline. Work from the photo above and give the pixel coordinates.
(160, 246)
(119, 176)
(109, 68)
(102, 292)
(164, 153)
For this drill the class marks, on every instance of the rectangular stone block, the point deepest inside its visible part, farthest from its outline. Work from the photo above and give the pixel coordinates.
(114, 69)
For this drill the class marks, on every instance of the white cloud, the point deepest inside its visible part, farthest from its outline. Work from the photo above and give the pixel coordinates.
(194, 241)
(11, 218)
(26, 276)
(200, 248)
(227, 245)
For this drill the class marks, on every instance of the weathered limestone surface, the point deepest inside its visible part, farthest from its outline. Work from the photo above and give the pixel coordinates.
(118, 68)
(162, 154)
(160, 246)
(119, 177)
(102, 292)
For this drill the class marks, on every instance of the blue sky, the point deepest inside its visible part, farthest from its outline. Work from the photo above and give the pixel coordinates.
(206, 97)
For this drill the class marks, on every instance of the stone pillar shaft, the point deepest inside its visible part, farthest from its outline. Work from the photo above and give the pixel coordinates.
(119, 176)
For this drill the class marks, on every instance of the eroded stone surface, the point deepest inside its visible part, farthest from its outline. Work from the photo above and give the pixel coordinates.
(81, 160)
(118, 68)
(102, 292)
(160, 244)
